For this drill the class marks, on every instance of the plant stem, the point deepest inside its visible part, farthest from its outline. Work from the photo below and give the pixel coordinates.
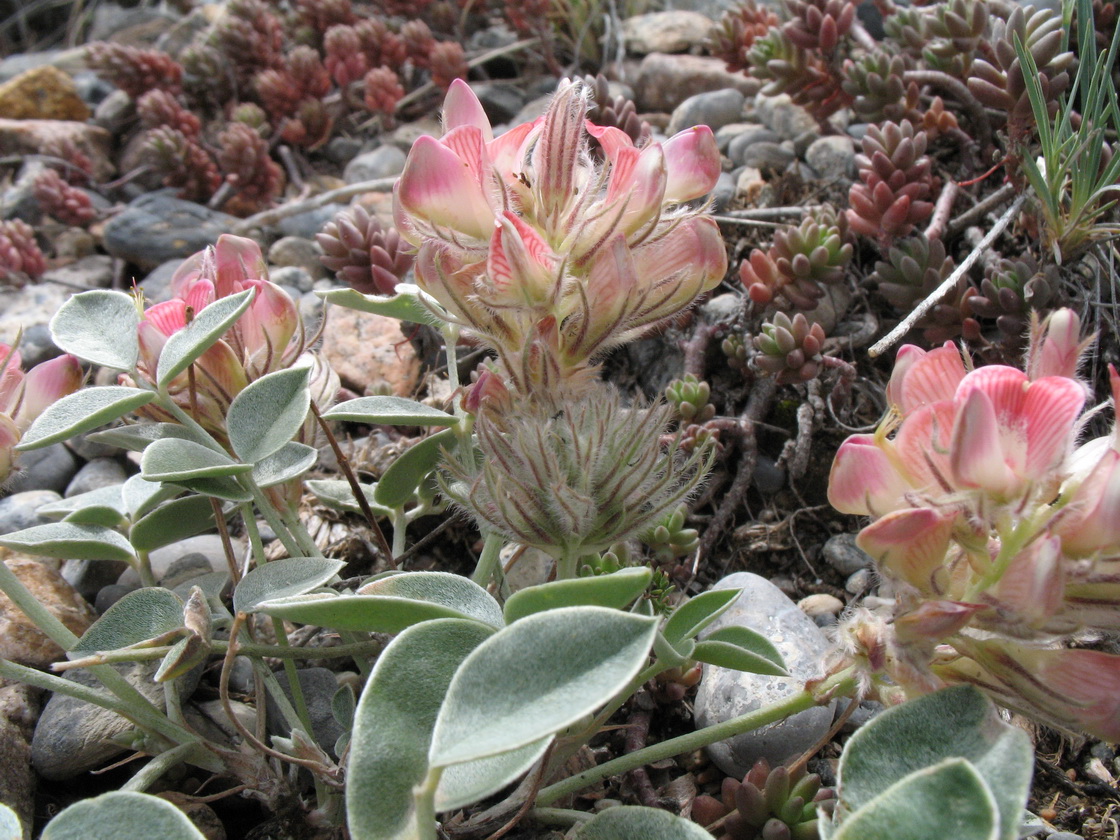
(558, 816)
(424, 800)
(356, 649)
(842, 684)
(488, 560)
(144, 567)
(150, 773)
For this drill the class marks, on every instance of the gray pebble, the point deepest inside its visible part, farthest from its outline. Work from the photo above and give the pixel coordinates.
(382, 162)
(739, 145)
(157, 227)
(768, 477)
(186, 568)
(100, 472)
(724, 192)
(721, 308)
(89, 577)
(241, 677)
(727, 133)
(768, 157)
(832, 157)
(726, 694)
(208, 545)
(310, 223)
(342, 150)
(842, 553)
(20, 510)
(48, 468)
(780, 115)
(500, 100)
(37, 346)
(157, 284)
(714, 108)
(804, 140)
(860, 582)
(109, 595)
(293, 277)
(298, 252)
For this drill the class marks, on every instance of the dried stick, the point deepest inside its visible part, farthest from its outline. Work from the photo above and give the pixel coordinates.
(957, 89)
(294, 208)
(941, 210)
(950, 282)
(966, 218)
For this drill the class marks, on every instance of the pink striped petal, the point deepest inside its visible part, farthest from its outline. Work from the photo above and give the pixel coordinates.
(614, 141)
(922, 447)
(921, 378)
(1052, 406)
(692, 164)
(863, 480)
(168, 317)
(236, 260)
(1091, 521)
(978, 458)
(1032, 588)
(462, 107)
(1059, 352)
(934, 620)
(441, 189)
(267, 328)
(47, 383)
(910, 545)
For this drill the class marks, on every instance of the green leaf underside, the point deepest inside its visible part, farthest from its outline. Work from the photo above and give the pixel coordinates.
(452, 591)
(283, 578)
(462, 784)
(141, 496)
(171, 522)
(736, 658)
(631, 822)
(363, 613)
(99, 326)
(186, 345)
(336, 493)
(290, 461)
(220, 487)
(268, 413)
(614, 590)
(393, 725)
(697, 613)
(184, 460)
(949, 799)
(953, 722)
(71, 541)
(404, 306)
(404, 475)
(82, 411)
(749, 640)
(103, 497)
(135, 437)
(121, 814)
(389, 411)
(536, 677)
(138, 616)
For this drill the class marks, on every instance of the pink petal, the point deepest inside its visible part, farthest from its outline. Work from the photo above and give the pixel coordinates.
(612, 140)
(1052, 406)
(441, 189)
(556, 155)
(910, 545)
(934, 620)
(168, 317)
(694, 247)
(922, 447)
(1033, 586)
(190, 270)
(925, 378)
(267, 328)
(692, 163)
(1061, 347)
(462, 107)
(520, 265)
(46, 383)
(507, 152)
(200, 295)
(1091, 519)
(236, 260)
(977, 456)
(863, 481)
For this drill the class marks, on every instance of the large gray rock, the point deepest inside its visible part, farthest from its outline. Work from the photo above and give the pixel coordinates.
(832, 157)
(21, 510)
(98, 473)
(49, 468)
(158, 227)
(715, 108)
(725, 694)
(383, 162)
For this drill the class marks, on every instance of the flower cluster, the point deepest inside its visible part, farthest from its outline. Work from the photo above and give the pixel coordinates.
(268, 337)
(23, 396)
(546, 256)
(996, 536)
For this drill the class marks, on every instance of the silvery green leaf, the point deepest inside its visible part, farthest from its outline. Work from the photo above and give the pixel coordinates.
(97, 515)
(137, 617)
(740, 649)
(336, 493)
(141, 495)
(183, 460)
(404, 305)
(453, 591)
(393, 726)
(70, 541)
(186, 345)
(81, 411)
(389, 411)
(118, 814)
(463, 784)
(268, 413)
(399, 482)
(695, 614)
(537, 676)
(136, 436)
(630, 822)
(172, 521)
(283, 578)
(343, 706)
(9, 824)
(102, 497)
(99, 326)
(948, 799)
(290, 461)
(614, 590)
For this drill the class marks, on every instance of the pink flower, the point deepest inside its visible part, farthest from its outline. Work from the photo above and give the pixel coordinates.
(24, 396)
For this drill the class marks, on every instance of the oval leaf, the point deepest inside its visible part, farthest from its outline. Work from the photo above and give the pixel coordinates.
(629, 822)
(404, 475)
(283, 578)
(747, 639)
(97, 515)
(172, 522)
(141, 496)
(536, 677)
(100, 327)
(70, 541)
(290, 461)
(389, 411)
(179, 460)
(136, 436)
(137, 617)
(102, 497)
(615, 590)
(336, 493)
(393, 725)
(453, 591)
(268, 413)
(697, 613)
(951, 796)
(462, 784)
(405, 305)
(81, 411)
(363, 613)
(220, 487)
(186, 345)
(736, 658)
(118, 814)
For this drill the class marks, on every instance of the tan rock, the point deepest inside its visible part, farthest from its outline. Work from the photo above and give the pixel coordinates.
(42, 93)
(665, 81)
(369, 352)
(28, 137)
(20, 640)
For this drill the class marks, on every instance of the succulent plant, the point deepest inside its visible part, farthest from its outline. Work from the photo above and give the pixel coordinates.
(418, 41)
(1000, 84)
(252, 115)
(380, 46)
(383, 91)
(344, 58)
(789, 349)
(321, 15)
(818, 24)
(243, 157)
(311, 125)
(956, 30)
(250, 37)
(689, 396)
(617, 111)
(363, 253)
(936, 121)
(895, 183)
(875, 83)
(303, 76)
(133, 70)
(803, 74)
(734, 347)
(769, 804)
(182, 163)
(447, 62)
(21, 258)
(669, 539)
(737, 30)
(907, 29)
(160, 108)
(1011, 290)
(808, 255)
(77, 167)
(208, 79)
(914, 267)
(57, 198)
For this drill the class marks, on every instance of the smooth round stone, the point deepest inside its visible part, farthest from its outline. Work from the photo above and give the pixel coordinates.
(821, 604)
(724, 192)
(768, 477)
(20, 510)
(768, 157)
(832, 157)
(49, 468)
(741, 142)
(842, 554)
(109, 595)
(725, 694)
(860, 582)
(382, 162)
(100, 472)
(714, 109)
(297, 252)
(783, 117)
(292, 278)
(157, 227)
